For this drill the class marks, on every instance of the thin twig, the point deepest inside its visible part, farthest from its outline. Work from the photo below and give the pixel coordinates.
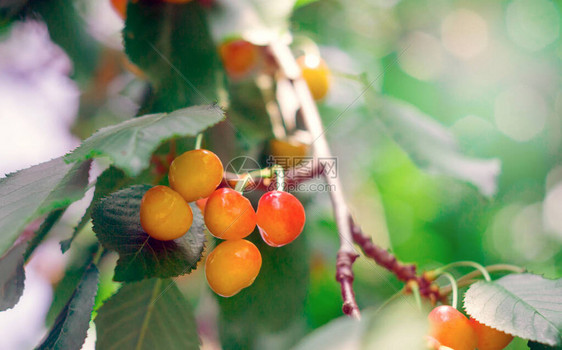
(404, 272)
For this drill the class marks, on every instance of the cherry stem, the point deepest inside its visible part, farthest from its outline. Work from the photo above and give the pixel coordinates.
(244, 179)
(454, 286)
(476, 265)
(279, 177)
(240, 185)
(198, 140)
(417, 296)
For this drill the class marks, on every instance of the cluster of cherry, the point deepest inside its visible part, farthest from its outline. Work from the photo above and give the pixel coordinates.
(235, 263)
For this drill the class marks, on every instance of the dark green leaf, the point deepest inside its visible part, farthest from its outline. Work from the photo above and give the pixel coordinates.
(81, 259)
(175, 51)
(43, 230)
(111, 180)
(38, 190)
(12, 276)
(69, 330)
(273, 303)
(151, 314)
(525, 305)
(117, 224)
(68, 29)
(130, 144)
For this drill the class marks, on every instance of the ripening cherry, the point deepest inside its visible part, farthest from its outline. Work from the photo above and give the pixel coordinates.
(229, 215)
(164, 214)
(316, 74)
(488, 337)
(120, 6)
(280, 217)
(287, 153)
(451, 328)
(239, 57)
(232, 266)
(195, 174)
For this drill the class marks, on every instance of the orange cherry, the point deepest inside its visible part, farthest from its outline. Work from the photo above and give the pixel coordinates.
(232, 266)
(229, 215)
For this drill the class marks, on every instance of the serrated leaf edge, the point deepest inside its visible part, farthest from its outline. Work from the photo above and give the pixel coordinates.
(507, 332)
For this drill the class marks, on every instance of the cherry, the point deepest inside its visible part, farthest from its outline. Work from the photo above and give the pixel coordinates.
(195, 174)
(288, 153)
(120, 6)
(488, 337)
(316, 74)
(229, 215)
(239, 57)
(451, 328)
(232, 266)
(280, 217)
(164, 214)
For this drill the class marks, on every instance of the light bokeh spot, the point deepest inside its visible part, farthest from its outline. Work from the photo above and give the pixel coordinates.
(464, 33)
(422, 56)
(533, 24)
(520, 112)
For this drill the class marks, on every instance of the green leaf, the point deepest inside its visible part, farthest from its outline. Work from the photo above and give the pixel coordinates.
(130, 144)
(68, 29)
(301, 3)
(525, 305)
(42, 232)
(151, 314)
(274, 303)
(81, 258)
(12, 276)
(340, 333)
(35, 191)
(117, 224)
(398, 325)
(175, 51)
(69, 330)
(111, 180)
(430, 145)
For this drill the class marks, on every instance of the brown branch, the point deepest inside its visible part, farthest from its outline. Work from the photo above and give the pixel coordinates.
(344, 275)
(404, 272)
(288, 67)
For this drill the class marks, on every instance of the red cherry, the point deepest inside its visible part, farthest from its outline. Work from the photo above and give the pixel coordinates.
(281, 218)
(229, 215)
(451, 328)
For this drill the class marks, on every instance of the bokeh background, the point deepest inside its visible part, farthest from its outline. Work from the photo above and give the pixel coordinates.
(489, 71)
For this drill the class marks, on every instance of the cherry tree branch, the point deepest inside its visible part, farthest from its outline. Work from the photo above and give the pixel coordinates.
(404, 272)
(346, 253)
